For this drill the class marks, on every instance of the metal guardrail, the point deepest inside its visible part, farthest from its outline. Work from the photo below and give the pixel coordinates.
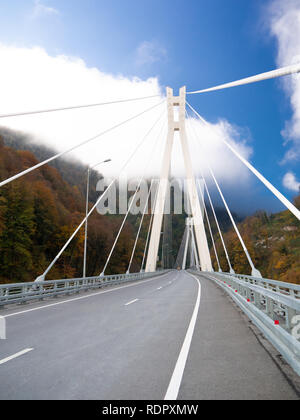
(271, 305)
(25, 292)
(277, 286)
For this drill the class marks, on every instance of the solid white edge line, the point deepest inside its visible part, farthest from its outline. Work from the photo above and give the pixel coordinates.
(14, 356)
(130, 303)
(174, 385)
(84, 297)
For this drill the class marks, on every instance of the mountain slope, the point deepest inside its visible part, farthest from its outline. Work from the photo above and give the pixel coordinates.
(71, 171)
(39, 212)
(273, 242)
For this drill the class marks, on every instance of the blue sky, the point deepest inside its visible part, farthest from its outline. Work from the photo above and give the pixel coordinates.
(198, 43)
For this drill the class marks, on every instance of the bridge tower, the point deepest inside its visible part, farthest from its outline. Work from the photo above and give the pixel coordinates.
(190, 243)
(176, 123)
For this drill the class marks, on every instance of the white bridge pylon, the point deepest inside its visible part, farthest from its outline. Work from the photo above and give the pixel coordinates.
(177, 107)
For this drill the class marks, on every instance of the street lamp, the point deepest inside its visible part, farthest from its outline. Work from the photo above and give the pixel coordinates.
(87, 210)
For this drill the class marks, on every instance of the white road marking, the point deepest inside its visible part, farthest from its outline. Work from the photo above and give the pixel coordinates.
(130, 303)
(159, 288)
(14, 356)
(174, 385)
(82, 297)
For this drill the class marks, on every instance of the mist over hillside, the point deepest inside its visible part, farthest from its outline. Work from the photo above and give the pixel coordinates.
(71, 170)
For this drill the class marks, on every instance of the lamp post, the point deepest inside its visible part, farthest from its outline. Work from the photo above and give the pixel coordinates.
(87, 210)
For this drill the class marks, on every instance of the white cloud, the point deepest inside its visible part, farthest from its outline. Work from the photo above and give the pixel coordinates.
(290, 182)
(30, 79)
(150, 53)
(41, 9)
(285, 26)
(211, 151)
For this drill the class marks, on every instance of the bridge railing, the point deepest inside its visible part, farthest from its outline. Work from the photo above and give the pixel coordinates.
(24, 292)
(274, 307)
(284, 288)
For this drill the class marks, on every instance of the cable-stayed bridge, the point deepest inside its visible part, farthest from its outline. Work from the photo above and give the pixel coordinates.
(184, 333)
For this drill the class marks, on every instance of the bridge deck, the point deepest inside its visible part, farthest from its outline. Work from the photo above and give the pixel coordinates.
(124, 344)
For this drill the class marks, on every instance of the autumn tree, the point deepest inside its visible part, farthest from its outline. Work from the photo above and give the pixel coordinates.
(17, 236)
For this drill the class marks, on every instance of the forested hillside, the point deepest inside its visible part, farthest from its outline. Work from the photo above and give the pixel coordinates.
(273, 242)
(39, 212)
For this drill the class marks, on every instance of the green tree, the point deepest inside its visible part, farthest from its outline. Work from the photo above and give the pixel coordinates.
(17, 234)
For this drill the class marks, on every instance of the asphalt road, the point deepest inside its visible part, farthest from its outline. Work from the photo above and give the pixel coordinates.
(172, 336)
